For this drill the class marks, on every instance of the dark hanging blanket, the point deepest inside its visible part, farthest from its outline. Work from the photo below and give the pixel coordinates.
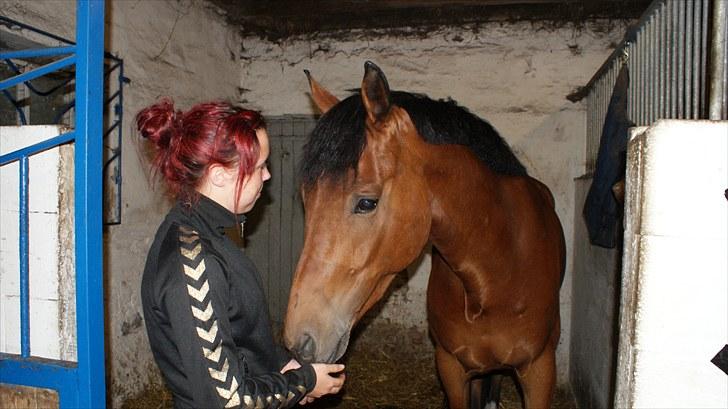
(602, 212)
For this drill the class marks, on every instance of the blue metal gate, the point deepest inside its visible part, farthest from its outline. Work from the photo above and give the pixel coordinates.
(82, 383)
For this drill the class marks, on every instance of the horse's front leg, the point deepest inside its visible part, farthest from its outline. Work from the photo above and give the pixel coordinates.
(453, 378)
(538, 379)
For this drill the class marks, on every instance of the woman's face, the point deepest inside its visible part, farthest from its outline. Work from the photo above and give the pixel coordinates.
(253, 183)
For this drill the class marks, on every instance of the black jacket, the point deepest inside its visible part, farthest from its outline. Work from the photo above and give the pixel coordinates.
(207, 317)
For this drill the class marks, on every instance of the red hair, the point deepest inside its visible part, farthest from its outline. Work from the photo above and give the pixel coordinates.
(188, 143)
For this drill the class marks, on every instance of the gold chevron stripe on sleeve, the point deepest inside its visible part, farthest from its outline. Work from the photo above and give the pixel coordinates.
(195, 272)
(234, 401)
(200, 294)
(228, 393)
(210, 335)
(222, 374)
(193, 253)
(213, 354)
(203, 316)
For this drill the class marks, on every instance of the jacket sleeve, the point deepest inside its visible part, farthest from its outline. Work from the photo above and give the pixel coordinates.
(195, 301)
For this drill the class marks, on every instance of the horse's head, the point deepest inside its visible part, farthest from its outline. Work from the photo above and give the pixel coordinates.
(367, 214)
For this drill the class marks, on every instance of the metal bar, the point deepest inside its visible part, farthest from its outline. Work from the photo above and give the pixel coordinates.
(631, 88)
(680, 59)
(637, 56)
(41, 373)
(88, 202)
(38, 72)
(672, 65)
(696, 59)
(36, 148)
(30, 85)
(653, 69)
(18, 108)
(10, 21)
(689, 72)
(629, 37)
(640, 85)
(24, 260)
(704, 61)
(662, 51)
(724, 115)
(119, 110)
(62, 111)
(111, 128)
(33, 29)
(111, 98)
(38, 52)
(717, 59)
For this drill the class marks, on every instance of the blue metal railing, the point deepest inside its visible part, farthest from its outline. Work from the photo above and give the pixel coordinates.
(112, 215)
(79, 384)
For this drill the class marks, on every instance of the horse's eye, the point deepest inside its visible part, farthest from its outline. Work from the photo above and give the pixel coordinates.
(365, 205)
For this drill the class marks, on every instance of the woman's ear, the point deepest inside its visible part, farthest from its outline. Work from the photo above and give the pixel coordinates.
(220, 176)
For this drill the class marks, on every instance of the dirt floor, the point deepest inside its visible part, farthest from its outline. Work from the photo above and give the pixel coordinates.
(387, 367)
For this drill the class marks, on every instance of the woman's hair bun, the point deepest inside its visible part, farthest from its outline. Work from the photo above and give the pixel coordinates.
(158, 122)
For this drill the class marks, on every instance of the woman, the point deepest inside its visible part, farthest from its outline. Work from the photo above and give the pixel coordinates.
(204, 306)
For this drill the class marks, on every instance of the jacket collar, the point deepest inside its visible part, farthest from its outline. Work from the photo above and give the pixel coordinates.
(214, 216)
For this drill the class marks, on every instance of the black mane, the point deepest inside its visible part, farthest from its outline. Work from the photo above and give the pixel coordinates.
(337, 141)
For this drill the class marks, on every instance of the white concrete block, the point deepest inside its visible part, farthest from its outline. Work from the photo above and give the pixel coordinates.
(674, 309)
(43, 252)
(45, 339)
(10, 324)
(684, 175)
(46, 254)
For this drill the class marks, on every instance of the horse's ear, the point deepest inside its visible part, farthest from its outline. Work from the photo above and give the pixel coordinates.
(375, 92)
(323, 99)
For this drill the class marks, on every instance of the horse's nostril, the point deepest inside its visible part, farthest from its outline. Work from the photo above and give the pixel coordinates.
(307, 350)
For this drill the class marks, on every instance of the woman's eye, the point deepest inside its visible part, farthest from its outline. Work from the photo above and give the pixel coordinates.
(365, 205)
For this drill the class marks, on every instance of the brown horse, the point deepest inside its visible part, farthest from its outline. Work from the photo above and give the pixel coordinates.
(385, 172)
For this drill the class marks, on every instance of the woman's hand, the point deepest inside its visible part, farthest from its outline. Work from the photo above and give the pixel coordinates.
(325, 382)
(291, 365)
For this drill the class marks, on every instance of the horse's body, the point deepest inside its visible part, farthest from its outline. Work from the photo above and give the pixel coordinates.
(498, 249)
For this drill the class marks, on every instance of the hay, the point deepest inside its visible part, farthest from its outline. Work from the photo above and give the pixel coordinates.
(387, 367)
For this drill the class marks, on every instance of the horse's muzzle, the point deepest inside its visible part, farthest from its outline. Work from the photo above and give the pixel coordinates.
(306, 348)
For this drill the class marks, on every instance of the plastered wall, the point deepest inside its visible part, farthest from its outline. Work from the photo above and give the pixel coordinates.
(514, 75)
(177, 48)
(595, 302)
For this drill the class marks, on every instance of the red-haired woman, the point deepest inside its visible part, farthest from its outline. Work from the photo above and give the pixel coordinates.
(204, 306)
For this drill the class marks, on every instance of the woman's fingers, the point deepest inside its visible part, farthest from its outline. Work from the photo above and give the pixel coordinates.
(329, 379)
(305, 400)
(338, 383)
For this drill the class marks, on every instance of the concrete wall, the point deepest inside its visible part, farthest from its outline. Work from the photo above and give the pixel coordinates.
(181, 49)
(515, 75)
(594, 313)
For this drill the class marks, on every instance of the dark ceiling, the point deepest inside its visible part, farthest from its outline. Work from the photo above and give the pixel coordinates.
(284, 18)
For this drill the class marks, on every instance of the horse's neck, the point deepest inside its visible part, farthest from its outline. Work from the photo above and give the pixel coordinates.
(467, 209)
